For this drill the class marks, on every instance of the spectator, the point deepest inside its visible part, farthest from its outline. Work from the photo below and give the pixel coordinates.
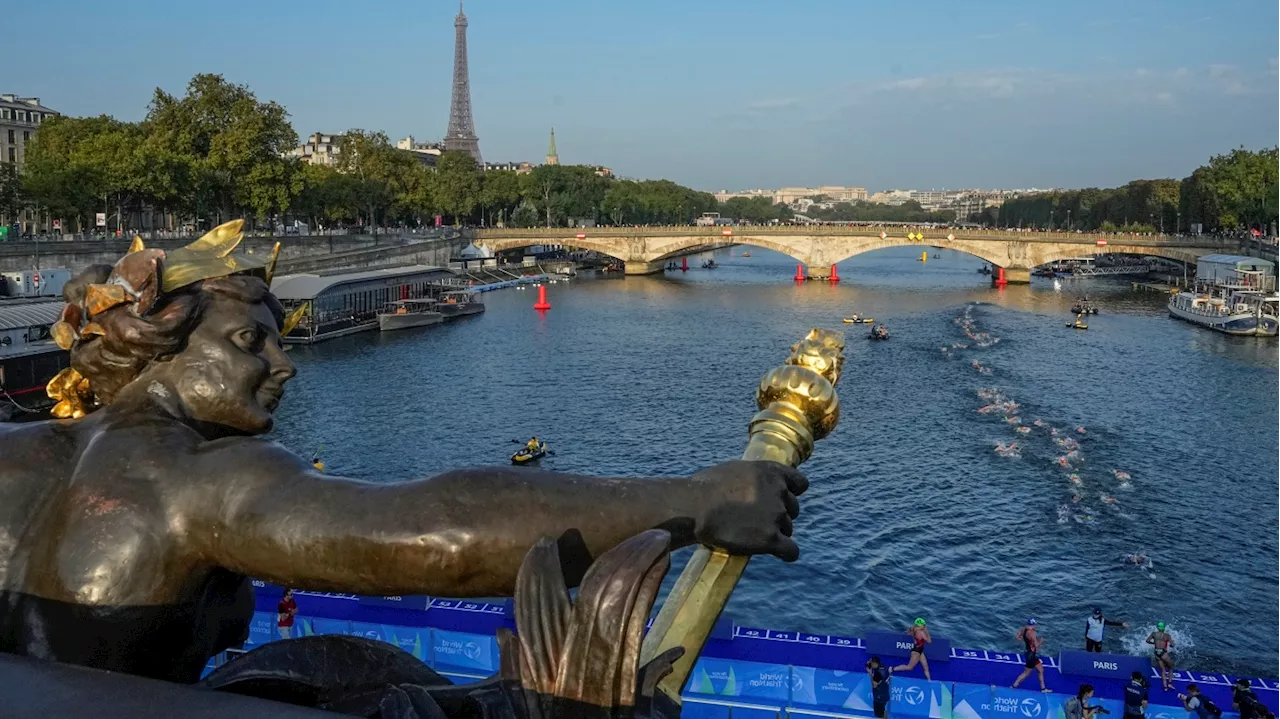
(1077, 707)
(1201, 706)
(1094, 627)
(286, 610)
(879, 685)
(1135, 697)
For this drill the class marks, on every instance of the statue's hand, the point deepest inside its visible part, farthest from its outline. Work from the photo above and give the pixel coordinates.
(747, 507)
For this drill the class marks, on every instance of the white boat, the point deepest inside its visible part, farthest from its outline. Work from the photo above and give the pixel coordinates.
(403, 314)
(1235, 312)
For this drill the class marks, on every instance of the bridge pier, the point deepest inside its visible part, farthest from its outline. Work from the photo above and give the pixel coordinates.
(1014, 276)
(640, 267)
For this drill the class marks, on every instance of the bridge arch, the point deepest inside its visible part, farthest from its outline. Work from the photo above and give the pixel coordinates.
(981, 251)
(665, 251)
(1179, 254)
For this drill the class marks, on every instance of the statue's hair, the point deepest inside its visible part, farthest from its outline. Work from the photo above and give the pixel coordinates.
(130, 342)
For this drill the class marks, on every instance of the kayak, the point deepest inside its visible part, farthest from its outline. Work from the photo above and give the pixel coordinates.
(1077, 326)
(859, 321)
(524, 456)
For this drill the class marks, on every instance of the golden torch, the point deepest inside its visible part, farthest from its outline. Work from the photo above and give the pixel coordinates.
(798, 405)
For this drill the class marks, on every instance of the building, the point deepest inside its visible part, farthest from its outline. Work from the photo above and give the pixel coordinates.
(344, 302)
(320, 149)
(425, 152)
(789, 195)
(519, 168)
(552, 157)
(20, 117)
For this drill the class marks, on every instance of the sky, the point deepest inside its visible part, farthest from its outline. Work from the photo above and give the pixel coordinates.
(714, 94)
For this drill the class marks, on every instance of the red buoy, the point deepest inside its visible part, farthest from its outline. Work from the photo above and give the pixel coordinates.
(835, 276)
(1000, 280)
(684, 263)
(799, 273)
(542, 303)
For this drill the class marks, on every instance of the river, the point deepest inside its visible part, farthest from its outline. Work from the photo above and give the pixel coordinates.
(910, 512)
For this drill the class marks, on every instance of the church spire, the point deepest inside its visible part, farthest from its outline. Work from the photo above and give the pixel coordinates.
(552, 157)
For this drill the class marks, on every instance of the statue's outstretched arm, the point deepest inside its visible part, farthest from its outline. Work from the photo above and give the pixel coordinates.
(266, 512)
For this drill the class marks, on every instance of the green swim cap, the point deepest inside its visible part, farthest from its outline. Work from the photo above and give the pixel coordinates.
(919, 621)
(1160, 626)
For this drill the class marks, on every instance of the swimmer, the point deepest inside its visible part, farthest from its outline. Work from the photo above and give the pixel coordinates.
(1075, 478)
(1027, 635)
(1108, 499)
(1022, 430)
(1053, 432)
(1080, 429)
(1038, 423)
(1075, 498)
(919, 638)
(1075, 455)
(1162, 645)
(1062, 462)
(1064, 514)
(1015, 419)
(1121, 475)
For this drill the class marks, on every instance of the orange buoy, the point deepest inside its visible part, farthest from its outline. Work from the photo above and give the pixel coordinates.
(835, 276)
(799, 273)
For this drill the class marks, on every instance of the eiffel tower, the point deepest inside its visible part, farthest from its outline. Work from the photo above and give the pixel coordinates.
(461, 134)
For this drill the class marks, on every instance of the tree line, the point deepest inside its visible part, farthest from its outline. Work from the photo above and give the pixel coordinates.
(218, 152)
(1232, 193)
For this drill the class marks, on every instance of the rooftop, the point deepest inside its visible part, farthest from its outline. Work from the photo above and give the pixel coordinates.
(308, 286)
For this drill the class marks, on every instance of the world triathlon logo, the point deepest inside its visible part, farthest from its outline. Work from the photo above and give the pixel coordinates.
(471, 651)
(1031, 708)
(914, 696)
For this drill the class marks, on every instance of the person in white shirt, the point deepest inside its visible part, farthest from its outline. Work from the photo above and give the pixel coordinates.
(1094, 627)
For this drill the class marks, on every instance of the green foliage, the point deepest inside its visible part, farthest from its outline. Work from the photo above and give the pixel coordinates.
(759, 210)
(10, 192)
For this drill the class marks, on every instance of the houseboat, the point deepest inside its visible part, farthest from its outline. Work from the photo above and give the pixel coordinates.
(29, 357)
(344, 303)
(1233, 294)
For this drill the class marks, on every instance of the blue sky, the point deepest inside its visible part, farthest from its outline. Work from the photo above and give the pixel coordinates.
(714, 94)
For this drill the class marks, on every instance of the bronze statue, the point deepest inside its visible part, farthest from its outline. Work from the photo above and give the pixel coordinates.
(129, 527)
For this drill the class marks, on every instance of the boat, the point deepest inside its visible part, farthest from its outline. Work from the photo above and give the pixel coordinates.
(29, 357)
(878, 333)
(403, 314)
(525, 456)
(1084, 309)
(746, 254)
(1234, 312)
(1078, 324)
(856, 320)
(709, 265)
(459, 303)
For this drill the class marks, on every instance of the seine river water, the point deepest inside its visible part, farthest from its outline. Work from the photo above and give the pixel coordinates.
(911, 512)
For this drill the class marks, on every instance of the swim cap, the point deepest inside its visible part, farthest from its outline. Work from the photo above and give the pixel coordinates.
(1160, 626)
(1031, 621)
(1097, 611)
(919, 621)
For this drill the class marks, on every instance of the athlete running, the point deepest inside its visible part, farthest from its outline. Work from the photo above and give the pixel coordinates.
(920, 636)
(1027, 635)
(1162, 656)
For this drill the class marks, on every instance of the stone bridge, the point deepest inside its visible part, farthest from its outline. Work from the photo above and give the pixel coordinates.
(645, 250)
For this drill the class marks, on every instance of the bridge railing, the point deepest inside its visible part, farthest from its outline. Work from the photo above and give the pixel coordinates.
(565, 235)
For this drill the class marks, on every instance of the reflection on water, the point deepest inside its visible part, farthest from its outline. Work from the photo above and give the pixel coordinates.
(911, 512)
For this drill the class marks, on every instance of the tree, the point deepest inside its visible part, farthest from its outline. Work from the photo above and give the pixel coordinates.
(381, 174)
(499, 192)
(11, 196)
(457, 186)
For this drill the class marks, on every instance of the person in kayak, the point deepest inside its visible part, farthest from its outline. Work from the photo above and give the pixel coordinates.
(1162, 655)
(532, 445)
(1028, 636)
(920, 637)
(1095, 626)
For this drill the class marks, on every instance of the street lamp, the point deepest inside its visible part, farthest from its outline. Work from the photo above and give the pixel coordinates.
(1068, 220)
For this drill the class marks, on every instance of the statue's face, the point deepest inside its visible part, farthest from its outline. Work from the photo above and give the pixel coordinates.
(233, 370)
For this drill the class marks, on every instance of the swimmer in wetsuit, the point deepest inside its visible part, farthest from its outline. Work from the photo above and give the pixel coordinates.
(920, 636)
(1028, 636)
(1162, 657)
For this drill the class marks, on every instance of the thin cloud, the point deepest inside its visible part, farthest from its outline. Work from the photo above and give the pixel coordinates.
(772, 103)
